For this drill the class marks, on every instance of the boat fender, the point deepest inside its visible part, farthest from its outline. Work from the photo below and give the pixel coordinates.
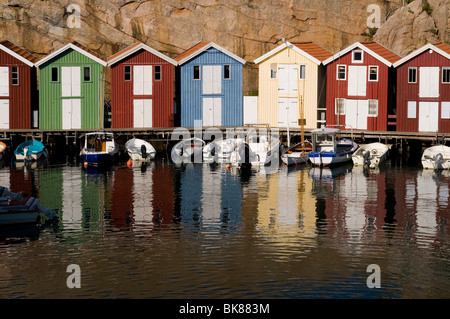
(438, 160)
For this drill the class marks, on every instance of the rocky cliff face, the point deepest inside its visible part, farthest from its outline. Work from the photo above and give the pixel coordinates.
(248, 28)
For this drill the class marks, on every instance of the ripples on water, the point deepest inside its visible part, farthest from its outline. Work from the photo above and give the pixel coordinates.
(202, 231)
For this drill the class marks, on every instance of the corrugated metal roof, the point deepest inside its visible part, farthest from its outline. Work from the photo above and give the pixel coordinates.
(313, 49)
(382, 51)
(19, 51)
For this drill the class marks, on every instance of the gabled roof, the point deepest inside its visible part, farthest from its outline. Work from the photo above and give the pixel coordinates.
(309, 50)
(440, 47)
(18, 53)
(134, 48)
(202, 47)
(373, 48)
(77, 47)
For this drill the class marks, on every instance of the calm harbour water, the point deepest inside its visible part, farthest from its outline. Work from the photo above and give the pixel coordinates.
(202, 231)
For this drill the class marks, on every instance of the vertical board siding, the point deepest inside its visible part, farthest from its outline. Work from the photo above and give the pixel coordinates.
(374, 90)
(20, 96)
(122, 91)
(410, 92)
(268, 88)
(50, 99)
(191, 90)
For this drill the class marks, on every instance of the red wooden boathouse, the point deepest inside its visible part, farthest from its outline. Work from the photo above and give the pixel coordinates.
(423, 90)
(361, 86)
(142, 88)
(18, 89)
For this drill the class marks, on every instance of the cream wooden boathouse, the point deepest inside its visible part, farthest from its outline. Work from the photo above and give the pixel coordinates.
(292, 78)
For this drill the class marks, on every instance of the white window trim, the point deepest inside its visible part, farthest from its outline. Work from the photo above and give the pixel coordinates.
(160, 73)
(415, 110)
(368, 76)
(337, 72)
(335, 106)
(199, 73)
(442, 79)
(447, 105)
(412, 68)
(17, 72)
(275, 71)
(368, 113)
(229, 71)
(353, 56)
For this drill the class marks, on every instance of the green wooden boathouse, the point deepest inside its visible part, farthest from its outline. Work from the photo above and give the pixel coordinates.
(71, 89)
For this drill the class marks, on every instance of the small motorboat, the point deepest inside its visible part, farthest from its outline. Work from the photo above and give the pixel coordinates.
(221, 150)
(329, 149)
(140, 150)
(17, 209)
(297, 154)
(258, 151)
(188, 150)
(370, 155)
(99, 148)
(2, 150)
(436, 157)
(30, 150)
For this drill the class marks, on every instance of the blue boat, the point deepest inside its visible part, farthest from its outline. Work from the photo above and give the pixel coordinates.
(99, 148)
(328, 149)
(30, 150)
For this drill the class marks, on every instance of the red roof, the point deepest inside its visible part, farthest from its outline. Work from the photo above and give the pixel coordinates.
(382, 51)
(443, 46)
(19, 51)
(313, 49)
(188, 52)
(123, 51)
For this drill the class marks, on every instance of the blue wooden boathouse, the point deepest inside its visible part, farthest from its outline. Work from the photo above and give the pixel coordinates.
(209, 86)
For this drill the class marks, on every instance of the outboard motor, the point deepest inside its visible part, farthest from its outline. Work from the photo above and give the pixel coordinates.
(244, 155)
(143, 151)
(438, 161)
(25, 151)
(366, 157)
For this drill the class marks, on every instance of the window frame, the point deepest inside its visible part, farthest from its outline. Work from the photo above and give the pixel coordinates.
(196, 67)
(273, 70)
(338, 73)
(362, 56)
(125, 73)
(300, 72)
(446, 69)
(158, 71)
(57, 74)
(412, 68)
(225, 67)
(84, 74)
(409, 114)
(368, 108)
(378, 70)
(342, 108)
(16, 72)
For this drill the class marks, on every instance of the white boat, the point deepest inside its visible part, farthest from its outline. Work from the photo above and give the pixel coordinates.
(297, 154)
(221, 151)
(370, 155)
(258, 151)
(140, 150)
(99, 148)
(436, 157)
(329, 149)
(188, 150)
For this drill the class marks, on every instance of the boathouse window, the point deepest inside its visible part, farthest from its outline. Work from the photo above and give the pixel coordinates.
(445, 110)
(341, 72)
(273, 71)
(373, 73)
(127, 72)
(196, 72)
(55, 74)
(15, 75)
(412, 109)
(302, 71)
(446, 74)
(412, 75)
(157, 73)
(87, 74)
(227, 72)
(340, 107)
(357, 56)
(373, 108)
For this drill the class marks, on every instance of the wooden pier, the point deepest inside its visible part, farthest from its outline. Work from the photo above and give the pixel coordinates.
(163, 137)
